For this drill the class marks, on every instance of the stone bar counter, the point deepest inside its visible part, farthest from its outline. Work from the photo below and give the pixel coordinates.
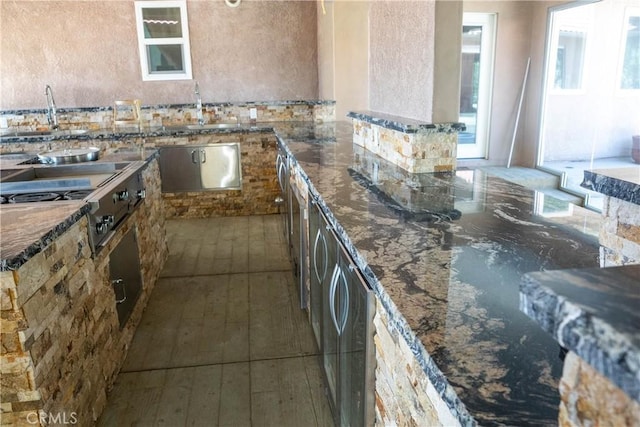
(593, 314)
(620, 233)
(415, 146)
(444, 253)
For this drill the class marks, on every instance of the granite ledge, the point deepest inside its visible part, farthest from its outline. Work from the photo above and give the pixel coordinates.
(404, 124)
(594, 313)
(40, 223)
(206, 104)
(621, 183)
(125, 133)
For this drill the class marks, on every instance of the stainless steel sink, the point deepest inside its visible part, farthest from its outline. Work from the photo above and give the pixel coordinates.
(64, 171)
(55, 178)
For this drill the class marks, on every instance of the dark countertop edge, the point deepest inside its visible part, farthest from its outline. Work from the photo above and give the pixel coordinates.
(189, 105)
(404, 124)
(396, 320)
(36, 247)
(157, 131)
(576, 328)
(613, 187)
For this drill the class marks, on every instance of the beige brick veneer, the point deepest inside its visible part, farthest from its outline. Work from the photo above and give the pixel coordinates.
(62, 345)
(404, 394)
(424, 151)
(590, 399)
(620, 233)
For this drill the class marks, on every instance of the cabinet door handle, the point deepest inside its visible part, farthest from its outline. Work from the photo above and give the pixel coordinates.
(344, 303)
(332, 298)
(204, 156)
(315, 256)
(124, 290)
(193, 156)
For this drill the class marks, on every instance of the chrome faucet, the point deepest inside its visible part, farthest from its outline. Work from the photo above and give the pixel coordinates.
(199, 105)
(52, 114)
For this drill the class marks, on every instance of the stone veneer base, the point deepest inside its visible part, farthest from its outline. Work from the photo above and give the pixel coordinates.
(590, 399)
(62, 346)
(419, 151)
(620, 233)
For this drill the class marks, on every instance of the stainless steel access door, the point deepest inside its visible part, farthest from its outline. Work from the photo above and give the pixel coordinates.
(201, 168)
(126, 279)
(347, 341)
(220, 167)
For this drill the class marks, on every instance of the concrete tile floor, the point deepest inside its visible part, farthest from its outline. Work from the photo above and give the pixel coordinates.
(222, 341)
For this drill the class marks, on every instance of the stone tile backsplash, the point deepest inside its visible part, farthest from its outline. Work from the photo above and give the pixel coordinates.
(97, 118)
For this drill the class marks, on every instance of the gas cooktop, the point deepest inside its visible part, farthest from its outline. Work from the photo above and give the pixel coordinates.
(113, 190)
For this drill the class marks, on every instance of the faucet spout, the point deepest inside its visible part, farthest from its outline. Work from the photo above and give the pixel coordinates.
(199, 114)
(52, 114)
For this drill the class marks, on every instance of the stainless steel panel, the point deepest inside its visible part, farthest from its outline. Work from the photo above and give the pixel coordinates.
(220, 167)
(179, 169)
(348, 308)
(124, 271)
(299, 245)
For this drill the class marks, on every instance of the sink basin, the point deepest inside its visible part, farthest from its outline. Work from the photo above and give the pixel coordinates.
(201, 127)
(43, 133)
(59, 178)
(64, 171)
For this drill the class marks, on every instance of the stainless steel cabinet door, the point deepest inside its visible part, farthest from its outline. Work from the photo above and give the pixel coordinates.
(124, 271)
(179, 169)
(200, 168)
(357, 359)
(220, 167)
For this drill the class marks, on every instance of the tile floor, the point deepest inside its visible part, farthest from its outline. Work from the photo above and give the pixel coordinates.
(222, 341)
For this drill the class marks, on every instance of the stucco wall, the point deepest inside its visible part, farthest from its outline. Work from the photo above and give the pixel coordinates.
(87, 51)
(402, 58)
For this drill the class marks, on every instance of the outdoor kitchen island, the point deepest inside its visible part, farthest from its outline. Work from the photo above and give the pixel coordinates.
(63, 337)
(445, 254)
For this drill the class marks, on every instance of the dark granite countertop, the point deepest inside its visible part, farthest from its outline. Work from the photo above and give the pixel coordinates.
(621, 183)
(593, 312)
(28, 228)
(404, 124)
(204, 104)
(445, 254)
(123, 132)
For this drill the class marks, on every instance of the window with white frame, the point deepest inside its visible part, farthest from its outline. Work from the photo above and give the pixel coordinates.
(630, 70)
(570, 58)
(163, 40)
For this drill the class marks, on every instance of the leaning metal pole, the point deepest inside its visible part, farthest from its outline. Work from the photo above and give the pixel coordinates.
(515, 128)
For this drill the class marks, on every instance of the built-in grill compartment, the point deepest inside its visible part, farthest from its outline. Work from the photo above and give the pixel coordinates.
(113, 190)
(111, 204)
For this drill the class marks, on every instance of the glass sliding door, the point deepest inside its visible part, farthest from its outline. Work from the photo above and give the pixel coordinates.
(591, 96)
(476, 77)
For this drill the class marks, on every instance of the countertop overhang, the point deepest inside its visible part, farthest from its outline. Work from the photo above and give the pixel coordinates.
(594, 313)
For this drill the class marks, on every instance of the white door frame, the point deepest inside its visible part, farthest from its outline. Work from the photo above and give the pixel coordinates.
(485, 90)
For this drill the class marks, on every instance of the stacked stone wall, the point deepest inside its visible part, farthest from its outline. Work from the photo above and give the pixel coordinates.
(620, 233)
(404, 394)
(424, 151)
(62, 345)
(589, 399)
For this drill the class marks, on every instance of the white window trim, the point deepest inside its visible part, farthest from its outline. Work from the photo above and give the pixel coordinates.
(183, 41)
(631, 11)
(585, 58)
